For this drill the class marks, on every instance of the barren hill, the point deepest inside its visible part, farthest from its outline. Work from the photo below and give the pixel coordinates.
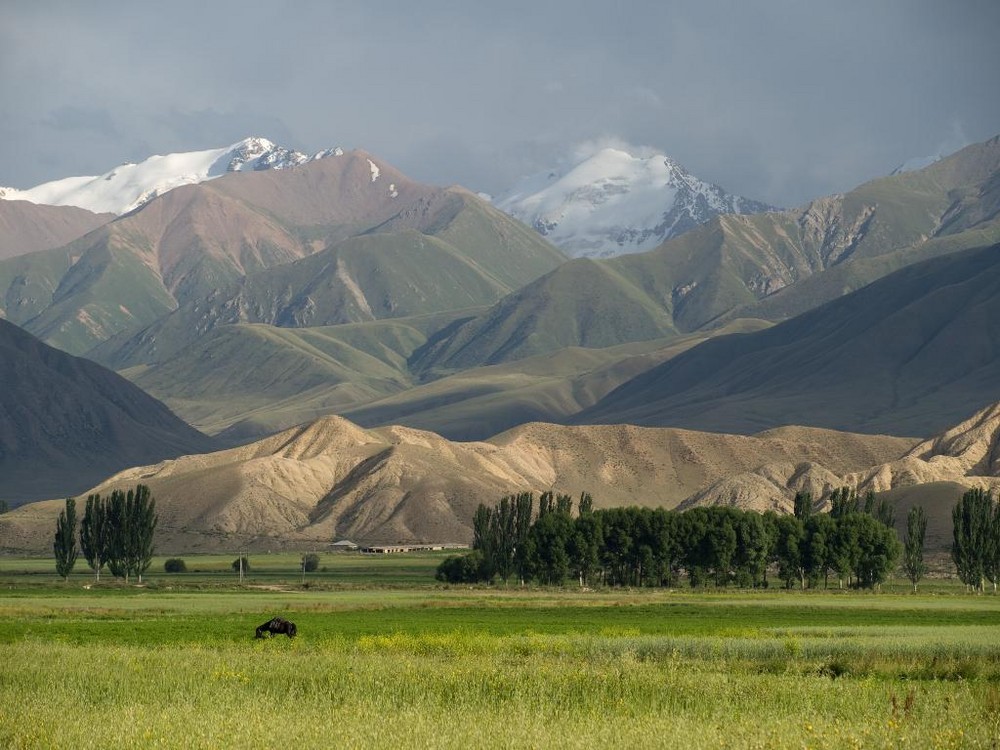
(331, 479)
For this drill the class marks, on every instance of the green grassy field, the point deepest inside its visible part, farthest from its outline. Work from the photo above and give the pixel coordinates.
(386, 656)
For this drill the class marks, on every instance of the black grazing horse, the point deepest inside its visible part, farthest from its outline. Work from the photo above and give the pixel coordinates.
(277, 626)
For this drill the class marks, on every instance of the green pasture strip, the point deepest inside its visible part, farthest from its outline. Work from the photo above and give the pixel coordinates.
(152, 616)
(340, 568)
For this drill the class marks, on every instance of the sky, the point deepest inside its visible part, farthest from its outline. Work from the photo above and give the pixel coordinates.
(777, 100)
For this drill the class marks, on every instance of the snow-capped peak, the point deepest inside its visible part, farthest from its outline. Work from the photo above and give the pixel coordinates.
(129, 186)
(612, 202)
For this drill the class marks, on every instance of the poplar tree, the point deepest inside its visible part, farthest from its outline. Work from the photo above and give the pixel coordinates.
(64, 544)
(94, 534)
(913, 547)
(974, 536)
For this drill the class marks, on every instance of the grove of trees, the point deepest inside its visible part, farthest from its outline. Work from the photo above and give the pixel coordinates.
(653, 547)
(117, 532)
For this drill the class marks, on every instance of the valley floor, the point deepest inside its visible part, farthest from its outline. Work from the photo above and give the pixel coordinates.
(386, 657)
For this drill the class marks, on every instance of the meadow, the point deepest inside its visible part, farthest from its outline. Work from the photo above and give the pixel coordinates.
(387, 656)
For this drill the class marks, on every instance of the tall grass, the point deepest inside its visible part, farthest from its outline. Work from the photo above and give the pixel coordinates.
(485, 692)
(451, 669)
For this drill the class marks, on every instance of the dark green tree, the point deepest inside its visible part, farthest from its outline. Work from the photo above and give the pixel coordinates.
(790, 551)
(869, 506)
(95, 533)
(524, 510)
(618, 525)
(482, 539)
(461, 568)
(664, 538)
(885, 513)
(879, 548)
(546, 503)
(143, 523)
(913, 546)
(310, 562)
(721, 543)
(972, 529)
(586, 504)
(844, 500)
(547, 548)
(64, 544)
(802, 506)
(130, 519)
(585, 547)
(503, 536)
(4, 507)
(819, 548)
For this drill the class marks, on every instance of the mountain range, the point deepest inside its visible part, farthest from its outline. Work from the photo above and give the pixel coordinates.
(262, 300)
(225, 251)
(768, 266)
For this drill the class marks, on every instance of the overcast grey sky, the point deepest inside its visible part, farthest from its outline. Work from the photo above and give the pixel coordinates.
(779, 100)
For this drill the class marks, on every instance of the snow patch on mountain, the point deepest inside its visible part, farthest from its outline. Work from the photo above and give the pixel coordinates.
(130, 186)
(611, 202)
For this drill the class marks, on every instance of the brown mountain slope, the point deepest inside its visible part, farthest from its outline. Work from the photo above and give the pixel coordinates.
(27, 227)
(331, 479)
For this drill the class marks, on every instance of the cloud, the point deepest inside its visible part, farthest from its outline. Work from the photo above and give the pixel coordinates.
(778, 100)
(69, 119)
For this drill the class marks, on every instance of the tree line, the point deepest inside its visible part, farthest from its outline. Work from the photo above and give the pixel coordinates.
(855, 544)
(116, 531)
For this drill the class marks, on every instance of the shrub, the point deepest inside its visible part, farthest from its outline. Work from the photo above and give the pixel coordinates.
(462, 568)
(246, 564)
(310, 562)
(175, 565)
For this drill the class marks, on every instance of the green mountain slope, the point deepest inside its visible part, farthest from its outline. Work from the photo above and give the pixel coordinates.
(250, 380)
(907, 355)
(759, 266)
